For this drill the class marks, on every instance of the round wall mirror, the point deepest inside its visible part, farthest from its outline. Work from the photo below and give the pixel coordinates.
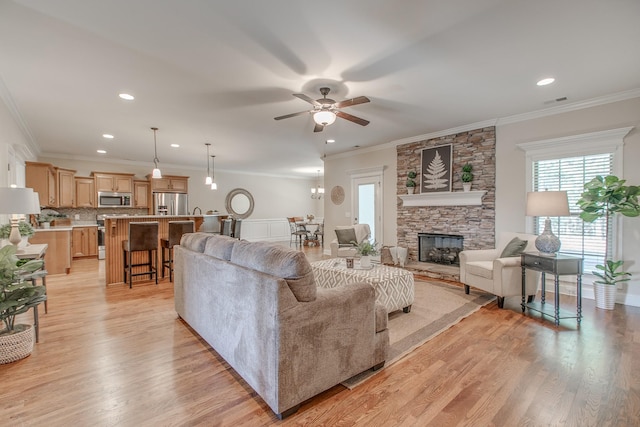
(239, 203)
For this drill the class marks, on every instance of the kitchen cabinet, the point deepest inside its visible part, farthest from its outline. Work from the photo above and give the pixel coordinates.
(115, 182)
(169, 183)
(141, 194)
(84, 241)
(85, 192)
(66, 188)
(42, 177)
(58, 256)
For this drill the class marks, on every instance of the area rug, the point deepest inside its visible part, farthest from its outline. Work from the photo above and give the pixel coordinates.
(437, 307)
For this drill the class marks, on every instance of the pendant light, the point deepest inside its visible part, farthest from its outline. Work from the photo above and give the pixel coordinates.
(208, 180)
(214, 186)
(316, 193)
(156, 172)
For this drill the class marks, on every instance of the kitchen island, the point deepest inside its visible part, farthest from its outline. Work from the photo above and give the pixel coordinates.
(117, 230)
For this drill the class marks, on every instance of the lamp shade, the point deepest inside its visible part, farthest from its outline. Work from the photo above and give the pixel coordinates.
(18, 201)
(547, 203)
(324, 117)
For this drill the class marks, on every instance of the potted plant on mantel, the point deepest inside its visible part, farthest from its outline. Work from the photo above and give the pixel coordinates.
(466, 177)
(411, 183)
(366, 250)
(17, 295)
(603, 198)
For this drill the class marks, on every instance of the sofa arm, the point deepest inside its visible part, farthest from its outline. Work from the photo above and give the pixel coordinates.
(334, 248)
(500, 263)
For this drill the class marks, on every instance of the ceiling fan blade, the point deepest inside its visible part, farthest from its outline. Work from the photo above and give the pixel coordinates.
(306, 98)
(318, 128)
(352, 101)
(286, 116)
(354, 119)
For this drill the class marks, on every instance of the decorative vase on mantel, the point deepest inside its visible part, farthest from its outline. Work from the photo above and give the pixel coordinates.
(410, 190)
(466, 186)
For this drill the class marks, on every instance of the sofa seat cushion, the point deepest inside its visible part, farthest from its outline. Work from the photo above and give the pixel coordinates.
(278, 261)
(220, 246)
(195, 241)
(480, 268)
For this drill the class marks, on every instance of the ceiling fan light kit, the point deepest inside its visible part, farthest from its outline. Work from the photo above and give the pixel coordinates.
(325, 110)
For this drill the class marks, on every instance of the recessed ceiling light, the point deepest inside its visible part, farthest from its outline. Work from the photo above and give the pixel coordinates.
(126, 96)
(546, 81)
(330, 141)
(175, 145)
(108, 136)
(102, 152)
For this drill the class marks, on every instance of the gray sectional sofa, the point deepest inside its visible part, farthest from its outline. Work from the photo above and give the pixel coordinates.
(258, 306)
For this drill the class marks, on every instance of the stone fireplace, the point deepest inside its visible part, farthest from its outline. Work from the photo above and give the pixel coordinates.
(440, 248)
(474, 222)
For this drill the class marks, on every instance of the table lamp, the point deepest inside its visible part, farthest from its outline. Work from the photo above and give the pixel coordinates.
(547, 203)
(16, 202)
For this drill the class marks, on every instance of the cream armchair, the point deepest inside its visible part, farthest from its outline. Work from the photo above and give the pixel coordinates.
(485, 270)
(361, 232)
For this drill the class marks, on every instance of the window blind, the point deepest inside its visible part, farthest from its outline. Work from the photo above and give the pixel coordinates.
(570, 174)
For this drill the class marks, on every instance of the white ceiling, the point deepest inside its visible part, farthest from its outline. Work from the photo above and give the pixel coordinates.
(220, 71)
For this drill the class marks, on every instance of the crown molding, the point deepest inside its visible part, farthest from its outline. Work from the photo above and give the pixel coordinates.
(32, 149)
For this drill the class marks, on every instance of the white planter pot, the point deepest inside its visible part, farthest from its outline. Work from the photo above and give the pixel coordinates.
(605, 296)
(365, 262)
(466, 186)
(410, 190)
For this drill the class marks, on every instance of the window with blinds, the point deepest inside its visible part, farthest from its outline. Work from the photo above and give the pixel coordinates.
(570, 174)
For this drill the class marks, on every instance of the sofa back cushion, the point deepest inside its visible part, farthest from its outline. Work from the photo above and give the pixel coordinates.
(220, 246)
(195, 241)
(279, 261)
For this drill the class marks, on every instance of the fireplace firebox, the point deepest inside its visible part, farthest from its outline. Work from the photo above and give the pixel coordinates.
(440, 248)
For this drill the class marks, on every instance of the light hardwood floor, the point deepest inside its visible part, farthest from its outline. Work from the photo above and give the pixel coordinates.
(114, 356)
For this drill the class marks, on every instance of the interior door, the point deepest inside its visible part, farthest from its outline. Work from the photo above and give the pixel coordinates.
(367, 204)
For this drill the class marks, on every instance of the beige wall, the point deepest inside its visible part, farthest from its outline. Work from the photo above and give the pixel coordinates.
(336, 171)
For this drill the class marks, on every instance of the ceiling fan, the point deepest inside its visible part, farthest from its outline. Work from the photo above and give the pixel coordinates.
(325, 110)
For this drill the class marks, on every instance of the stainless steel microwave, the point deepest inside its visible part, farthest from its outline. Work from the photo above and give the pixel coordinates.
(114, 200)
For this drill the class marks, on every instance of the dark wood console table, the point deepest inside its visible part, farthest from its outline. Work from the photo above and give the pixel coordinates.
(557, 265)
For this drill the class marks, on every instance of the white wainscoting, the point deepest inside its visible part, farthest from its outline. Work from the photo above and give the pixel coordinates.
(275, 229)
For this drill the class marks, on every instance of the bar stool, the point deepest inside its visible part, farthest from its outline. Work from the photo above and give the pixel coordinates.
(143, 236)
(236, 228)
(176, 230)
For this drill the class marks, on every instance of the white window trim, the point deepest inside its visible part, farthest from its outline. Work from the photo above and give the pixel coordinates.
(602, 142)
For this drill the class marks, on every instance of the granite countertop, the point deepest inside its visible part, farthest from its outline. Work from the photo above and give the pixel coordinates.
(68, 227)
(150, 216)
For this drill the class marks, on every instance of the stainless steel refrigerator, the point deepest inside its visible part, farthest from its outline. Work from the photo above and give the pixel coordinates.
(170, 204)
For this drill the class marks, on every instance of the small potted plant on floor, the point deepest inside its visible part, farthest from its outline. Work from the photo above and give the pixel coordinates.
(366, 250)
(17, 295)
(411, 183)
(603, 198)
(466, 177)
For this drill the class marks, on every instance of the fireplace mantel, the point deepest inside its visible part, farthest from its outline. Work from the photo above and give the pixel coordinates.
(453, 198)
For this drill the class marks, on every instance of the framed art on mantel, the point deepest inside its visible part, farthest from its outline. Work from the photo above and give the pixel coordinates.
(436, 169)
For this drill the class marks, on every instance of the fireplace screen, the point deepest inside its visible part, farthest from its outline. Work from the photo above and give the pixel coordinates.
(440, 248)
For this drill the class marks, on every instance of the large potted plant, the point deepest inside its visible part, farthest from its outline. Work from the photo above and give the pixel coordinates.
(604, 198)
(18, 294)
